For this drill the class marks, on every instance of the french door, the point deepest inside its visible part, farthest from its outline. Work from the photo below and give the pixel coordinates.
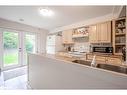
(29, 45)
(14, 48)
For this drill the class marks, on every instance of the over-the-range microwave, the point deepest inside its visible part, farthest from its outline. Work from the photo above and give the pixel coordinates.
(103, 49)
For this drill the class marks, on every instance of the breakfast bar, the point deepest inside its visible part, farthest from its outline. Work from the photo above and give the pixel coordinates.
(51, 72)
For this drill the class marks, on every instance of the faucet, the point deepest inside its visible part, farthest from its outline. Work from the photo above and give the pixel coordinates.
(93, 63)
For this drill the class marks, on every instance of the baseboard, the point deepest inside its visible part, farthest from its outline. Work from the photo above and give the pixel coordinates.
(1, 79)
(28, 86)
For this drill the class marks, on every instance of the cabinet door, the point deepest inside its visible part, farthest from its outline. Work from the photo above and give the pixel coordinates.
(93, 35)
(64, 36)
(105, 32)
(67, 36)
(114, 61)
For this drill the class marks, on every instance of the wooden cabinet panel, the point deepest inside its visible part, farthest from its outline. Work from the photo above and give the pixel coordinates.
(114, 60)
(105, 59)
(64, 36)
(97, 58)
(67, 36)
(100, 33)
(89, 57)
(93, 35)
(100, 58)
(105, 32)
(109, 31)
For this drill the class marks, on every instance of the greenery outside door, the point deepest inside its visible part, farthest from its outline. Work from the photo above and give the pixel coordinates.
(11, 46)
(15, 46)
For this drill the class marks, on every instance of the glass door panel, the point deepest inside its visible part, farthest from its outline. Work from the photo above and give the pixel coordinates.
(30, 45)
(14, 48)
(10, 49)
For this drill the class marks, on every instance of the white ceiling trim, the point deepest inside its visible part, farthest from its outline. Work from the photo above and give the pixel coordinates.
(116, 15)
(120, 9)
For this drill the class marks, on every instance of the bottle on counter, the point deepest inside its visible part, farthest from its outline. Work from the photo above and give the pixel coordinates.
(124, 53)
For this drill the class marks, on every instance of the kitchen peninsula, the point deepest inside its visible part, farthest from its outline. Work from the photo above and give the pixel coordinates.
(58, 73)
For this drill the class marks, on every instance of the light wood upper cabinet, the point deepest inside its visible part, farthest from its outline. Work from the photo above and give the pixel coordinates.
(93, 35)
(104, 32)
(64, 36)
(67, 36)
(100, 33)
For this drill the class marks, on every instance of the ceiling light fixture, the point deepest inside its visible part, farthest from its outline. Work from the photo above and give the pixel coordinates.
(45, 12)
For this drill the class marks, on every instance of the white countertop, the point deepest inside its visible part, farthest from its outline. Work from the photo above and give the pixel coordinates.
(46, 72)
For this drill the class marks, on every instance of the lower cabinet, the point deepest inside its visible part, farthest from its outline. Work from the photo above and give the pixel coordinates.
(67, 37)
(115, 60)
(97, 58)
(111, 59)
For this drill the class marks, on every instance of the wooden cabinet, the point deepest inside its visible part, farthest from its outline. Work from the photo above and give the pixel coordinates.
(93, 34)
(101, 58)
(67, 37)
(64, 36)
(104, 32)
(98, 58)
(80, 32)
(119, 35)
(100, 33)
(115, 60)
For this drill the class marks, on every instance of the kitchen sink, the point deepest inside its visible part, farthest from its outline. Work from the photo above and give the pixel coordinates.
(120, 69)
(110, 67)
(82, 62)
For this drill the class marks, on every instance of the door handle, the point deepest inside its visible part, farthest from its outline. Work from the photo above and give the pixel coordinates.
(20, 49)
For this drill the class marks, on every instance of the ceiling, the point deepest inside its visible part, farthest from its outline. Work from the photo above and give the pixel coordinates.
(63, 15)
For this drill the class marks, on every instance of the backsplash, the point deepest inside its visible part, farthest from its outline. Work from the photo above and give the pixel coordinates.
(82, 47)
(82, 44)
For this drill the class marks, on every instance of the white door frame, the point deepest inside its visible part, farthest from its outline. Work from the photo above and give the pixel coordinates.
(1, 53)
(19, 46)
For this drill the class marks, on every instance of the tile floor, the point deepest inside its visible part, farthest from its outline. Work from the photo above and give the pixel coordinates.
(15, 83)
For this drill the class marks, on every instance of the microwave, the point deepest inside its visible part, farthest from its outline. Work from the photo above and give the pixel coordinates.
(103, 49)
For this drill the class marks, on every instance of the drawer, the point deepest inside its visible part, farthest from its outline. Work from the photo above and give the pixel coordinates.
(60, 53)
(100, 58)
(89, 57)
(114, 61)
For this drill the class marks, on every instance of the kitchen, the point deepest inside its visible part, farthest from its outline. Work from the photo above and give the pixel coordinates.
(105, 40)
(83, 49)
(57, 47)
(88, 57)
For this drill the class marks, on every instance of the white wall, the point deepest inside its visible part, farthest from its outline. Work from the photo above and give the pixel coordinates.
(0, 49)
(42, 42)
(42, 33)
(18, 26)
